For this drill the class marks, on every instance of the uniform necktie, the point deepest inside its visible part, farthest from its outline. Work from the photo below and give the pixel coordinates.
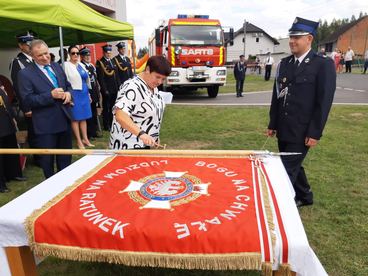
(296, 64)
(51, 75)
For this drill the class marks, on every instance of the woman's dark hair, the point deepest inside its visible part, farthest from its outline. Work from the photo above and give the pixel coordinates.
(159, 64)
(71, 47)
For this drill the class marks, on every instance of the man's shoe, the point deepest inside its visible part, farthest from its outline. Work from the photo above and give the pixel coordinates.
(20, 178)
(4, 190)
(300, 203)
(241, 95)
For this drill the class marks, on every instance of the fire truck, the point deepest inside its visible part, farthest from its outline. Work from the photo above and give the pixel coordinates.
(195, 47)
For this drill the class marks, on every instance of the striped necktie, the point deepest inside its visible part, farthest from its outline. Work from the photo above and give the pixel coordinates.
(51, 75)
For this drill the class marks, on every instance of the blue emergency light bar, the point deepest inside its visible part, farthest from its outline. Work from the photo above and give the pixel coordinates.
(193, 16)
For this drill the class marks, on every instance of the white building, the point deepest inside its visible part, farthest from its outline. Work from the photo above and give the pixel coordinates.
(257, 42)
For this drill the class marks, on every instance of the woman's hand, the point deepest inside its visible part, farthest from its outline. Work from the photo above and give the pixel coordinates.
(147, 140)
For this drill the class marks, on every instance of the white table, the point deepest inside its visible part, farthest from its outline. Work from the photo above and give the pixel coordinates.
(12, 215)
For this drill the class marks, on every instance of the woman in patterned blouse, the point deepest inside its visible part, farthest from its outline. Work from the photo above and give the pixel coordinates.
(139, 108)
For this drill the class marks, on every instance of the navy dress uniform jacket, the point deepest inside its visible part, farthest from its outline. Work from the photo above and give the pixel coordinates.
(239, 71)
(124, 68)
(310, 91)
(49, 115)
(19, 63)
(107, 74)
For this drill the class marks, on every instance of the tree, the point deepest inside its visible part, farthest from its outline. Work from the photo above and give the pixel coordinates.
(142, 52)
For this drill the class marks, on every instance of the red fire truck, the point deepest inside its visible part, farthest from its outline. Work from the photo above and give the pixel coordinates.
(195, 47)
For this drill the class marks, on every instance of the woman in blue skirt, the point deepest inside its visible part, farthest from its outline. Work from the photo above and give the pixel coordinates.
(81, 110)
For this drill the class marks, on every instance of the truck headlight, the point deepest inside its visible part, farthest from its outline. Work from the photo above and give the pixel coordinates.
(174, 74)
(221, 72)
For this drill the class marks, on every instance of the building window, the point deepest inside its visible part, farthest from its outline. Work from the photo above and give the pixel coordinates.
(257, 39)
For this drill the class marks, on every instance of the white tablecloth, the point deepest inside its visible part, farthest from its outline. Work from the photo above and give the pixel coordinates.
(12, 215)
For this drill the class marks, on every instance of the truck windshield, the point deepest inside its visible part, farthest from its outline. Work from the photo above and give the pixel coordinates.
(196, 35)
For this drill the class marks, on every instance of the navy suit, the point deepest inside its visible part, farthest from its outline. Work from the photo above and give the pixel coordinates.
(305, 97)
(51, 118)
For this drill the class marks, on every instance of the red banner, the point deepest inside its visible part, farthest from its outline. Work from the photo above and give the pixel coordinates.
(167, 211)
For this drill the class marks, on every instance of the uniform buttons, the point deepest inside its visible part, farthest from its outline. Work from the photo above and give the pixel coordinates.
(286, 113)
(287, 103)
(289, 84)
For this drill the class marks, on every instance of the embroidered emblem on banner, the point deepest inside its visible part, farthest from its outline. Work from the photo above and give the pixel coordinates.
(165, 190)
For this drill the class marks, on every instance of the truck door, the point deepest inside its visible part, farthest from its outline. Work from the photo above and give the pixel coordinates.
(165, 48)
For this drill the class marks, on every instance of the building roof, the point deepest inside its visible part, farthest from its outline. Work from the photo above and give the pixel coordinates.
(335, 35)
(250, 28)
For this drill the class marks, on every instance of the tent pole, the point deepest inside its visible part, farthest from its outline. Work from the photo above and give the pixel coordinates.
(61, 45)
(133, 53)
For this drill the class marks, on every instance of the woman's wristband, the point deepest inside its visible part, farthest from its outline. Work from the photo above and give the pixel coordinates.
(141, 133)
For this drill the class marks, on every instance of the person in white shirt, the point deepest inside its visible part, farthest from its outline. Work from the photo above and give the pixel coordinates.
(81, 110)
(349, 55)
(139, 108)
(268, 66)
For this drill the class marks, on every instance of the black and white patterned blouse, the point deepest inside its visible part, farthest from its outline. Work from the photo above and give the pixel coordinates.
(144, 108)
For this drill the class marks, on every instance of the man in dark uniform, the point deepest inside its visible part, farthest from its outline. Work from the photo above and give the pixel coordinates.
(109, 81)
(9, 164)
(239, 74)
(302, 97)
(123, 63)
(94, 91)
(22, 61)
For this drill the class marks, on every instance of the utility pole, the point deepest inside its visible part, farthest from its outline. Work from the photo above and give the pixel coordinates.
(245, 33)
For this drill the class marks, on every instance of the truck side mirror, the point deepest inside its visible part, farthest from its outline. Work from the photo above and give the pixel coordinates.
(157, 37)
(231, 37)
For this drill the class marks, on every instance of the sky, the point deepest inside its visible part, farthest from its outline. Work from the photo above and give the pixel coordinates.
(273, 16)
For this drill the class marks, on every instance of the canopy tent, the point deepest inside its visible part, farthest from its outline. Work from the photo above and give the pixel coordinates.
(80, 23)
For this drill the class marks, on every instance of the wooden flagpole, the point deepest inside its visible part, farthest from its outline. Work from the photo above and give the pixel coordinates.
(230, 153)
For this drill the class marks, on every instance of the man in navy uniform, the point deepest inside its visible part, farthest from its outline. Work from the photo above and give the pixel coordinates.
(94, 92)
(302, 97)
(22, 61)
(123, 63)
(108, 78)
(239, 74)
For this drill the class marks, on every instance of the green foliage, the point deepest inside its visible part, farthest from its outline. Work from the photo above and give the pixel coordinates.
(142, 52)
(325, 29)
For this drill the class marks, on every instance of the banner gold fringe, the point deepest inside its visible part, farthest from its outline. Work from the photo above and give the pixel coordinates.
(285, 270)
(269, 213)
(241, 261)
(267, 269)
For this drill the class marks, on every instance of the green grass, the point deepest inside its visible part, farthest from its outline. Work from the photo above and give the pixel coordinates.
(336, 225)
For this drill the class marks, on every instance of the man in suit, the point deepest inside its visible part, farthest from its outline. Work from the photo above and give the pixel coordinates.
(302, 97)
(239, 74)
(43, 88)
(123, 63)
(20, 62)
(108, 78)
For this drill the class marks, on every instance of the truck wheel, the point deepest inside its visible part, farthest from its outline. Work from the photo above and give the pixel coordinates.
(213, 91)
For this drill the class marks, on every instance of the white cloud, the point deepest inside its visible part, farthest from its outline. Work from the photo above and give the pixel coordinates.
(274, 16)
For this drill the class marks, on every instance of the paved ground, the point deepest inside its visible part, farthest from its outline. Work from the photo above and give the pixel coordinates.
(350, 89)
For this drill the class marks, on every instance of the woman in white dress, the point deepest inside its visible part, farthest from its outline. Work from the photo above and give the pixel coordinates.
(139, 108)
